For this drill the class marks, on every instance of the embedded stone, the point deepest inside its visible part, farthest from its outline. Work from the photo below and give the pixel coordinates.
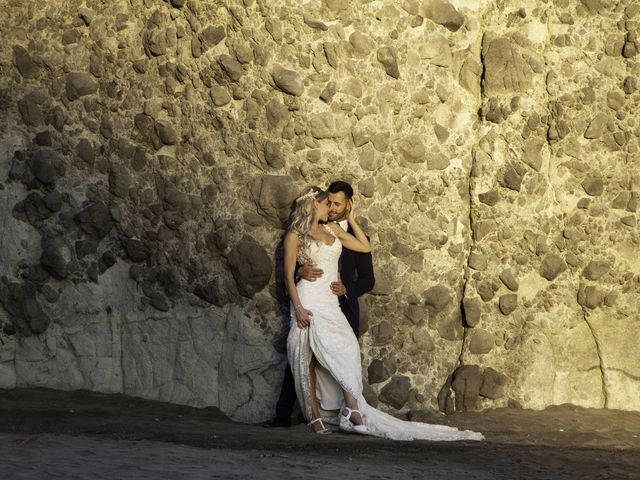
(437, 298)
(437, 161)
(30, 111)
(388, 57)
(508, 278)
(85, 151)
(531, 153)
(477, 261)
(493, 384)
(380, 370)
(211, 35)
(322, 125)
(119, 181)
(466, 383)
(481, 342)
(80, 84)
(412, 149)
(489, 198)
(250, 265)
(23, 62)
(166, 132)
(590, 296)
(43, 164)
(508, 303)
(593, 185)
(472, 310)
(288, 81)
(443, 13)
(505, 70)
(396, 392)
(136, 250)
(219, 96)
(328, 92)
(597, 126)
(57, 257)
(596, 269)
(512, 177)
(382, 333)
(552, 265)
(231, 67)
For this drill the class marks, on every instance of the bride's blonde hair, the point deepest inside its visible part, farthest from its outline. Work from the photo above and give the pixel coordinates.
(303, 215)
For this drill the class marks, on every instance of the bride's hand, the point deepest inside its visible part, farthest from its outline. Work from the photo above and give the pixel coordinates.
(350, 213)
(303, 317)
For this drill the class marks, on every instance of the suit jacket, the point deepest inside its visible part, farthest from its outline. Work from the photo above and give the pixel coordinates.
(356, 272)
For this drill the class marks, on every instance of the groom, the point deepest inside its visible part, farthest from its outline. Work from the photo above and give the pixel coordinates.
(356, 273)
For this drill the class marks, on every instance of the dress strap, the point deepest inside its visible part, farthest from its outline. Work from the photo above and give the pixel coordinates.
(329, 229)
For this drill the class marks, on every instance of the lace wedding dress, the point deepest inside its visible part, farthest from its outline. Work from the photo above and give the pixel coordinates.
(336, 348)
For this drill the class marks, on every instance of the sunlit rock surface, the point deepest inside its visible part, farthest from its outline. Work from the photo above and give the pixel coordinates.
(149, 155)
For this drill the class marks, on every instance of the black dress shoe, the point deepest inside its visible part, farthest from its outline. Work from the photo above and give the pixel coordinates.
(277, 422)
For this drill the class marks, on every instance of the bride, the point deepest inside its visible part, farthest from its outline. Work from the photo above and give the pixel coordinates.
(323, 351)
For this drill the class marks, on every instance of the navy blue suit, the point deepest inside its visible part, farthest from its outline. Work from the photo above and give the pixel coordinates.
(356, 272)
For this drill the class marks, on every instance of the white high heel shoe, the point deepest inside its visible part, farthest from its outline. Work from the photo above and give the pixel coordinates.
(346, 425)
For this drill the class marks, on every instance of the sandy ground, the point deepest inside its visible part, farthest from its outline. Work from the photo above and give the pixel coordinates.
(46, 434)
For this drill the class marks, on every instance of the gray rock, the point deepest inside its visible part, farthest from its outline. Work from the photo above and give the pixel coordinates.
(57, 257)
(288, 81)
(119, 181)
(443, 13)
(85, 151)
(250, 265)
(380, 370)
(630, 85)
(30, 111)
(274, 196)
(552, 265)
(437, 161)
(277, 115)
(219, 96)
(489, 198)
(512, 177)
(508, 303)
(593, 185)
(472, 311)
(437, 298)
(322, 125)
(531, 153)
(493, 384)
(597, 126)
(328, 92)
(477, 261)
(211, 35)
(481, 341)
(412, 149)
(273, 155)
(508, 278)
(382, 333)
(166, 132)
(396, 392)
(590, 296)
(504, 68)
(231, 67)
(80, 84)
(136, 250)
(466, 384)
(43, 165)
(23, 62)
(596, 269)
(95, 220)
(160, 302)
(388, 57)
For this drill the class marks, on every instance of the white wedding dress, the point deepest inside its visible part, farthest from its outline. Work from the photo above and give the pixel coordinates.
(336, 348)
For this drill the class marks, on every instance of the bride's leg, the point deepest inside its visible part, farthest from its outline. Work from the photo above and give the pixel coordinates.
(315, 411)
(352, 403)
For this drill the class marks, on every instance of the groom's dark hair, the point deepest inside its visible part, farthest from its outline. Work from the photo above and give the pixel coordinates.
(340, 186)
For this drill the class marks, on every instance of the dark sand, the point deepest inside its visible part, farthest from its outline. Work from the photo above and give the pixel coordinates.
(46, 434)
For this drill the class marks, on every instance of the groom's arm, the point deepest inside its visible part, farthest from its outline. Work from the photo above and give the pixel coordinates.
(365, 278)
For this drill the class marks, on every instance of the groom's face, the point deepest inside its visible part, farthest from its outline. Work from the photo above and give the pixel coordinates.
(337, 206)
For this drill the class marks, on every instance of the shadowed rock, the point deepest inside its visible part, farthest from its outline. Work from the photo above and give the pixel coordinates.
(250, 265)
(443, 13)
(388, 57)
(466, 384)
(288, 81)
(23, 62)
(80, 84)
(396, 392)
(552, 266)
(274, 196)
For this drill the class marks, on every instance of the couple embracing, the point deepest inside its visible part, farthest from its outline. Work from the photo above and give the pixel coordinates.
(323, 351)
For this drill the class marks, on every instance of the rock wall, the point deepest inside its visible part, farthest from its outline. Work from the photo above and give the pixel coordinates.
(150, 150)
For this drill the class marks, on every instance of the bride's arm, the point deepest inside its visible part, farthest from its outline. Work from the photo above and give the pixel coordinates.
(291, 246)
(357, 242)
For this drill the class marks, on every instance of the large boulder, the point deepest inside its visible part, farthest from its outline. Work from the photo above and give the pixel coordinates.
(250, 265)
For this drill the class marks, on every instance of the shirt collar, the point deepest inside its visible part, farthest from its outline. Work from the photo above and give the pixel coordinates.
(344, 224)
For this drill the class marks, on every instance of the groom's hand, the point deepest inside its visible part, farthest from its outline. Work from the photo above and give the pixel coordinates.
(310, 272)
(338, 288)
